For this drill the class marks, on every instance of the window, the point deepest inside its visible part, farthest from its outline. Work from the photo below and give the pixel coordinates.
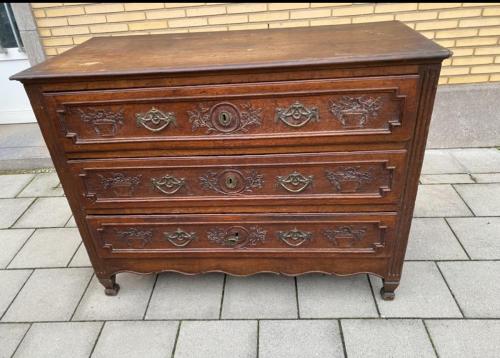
(9, 33)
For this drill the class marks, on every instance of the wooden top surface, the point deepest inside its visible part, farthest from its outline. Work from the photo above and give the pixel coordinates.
(238, 50)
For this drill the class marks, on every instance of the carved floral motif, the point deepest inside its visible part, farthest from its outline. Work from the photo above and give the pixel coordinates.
(232, 181)
(120, 184)
(225, 118)
(236, 236)
(348, 179)
(346, 234)
(134, 237)
(106, 123)
(354, 112)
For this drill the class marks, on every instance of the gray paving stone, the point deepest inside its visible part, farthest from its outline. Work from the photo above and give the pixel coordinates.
(48, 248)
(324, 296)
(465, 338)
(71, 222)
(45, 212)
(439, 200)
(479, 236)
(10, 336)
(440, 161)
(81, 258)
(259, 296)
(44, 184)
(25, 158)
(422, 293)
(11, 210)
(10, 243)
(432, 239)
(21, 135)
(475, 286)
(487, 178)
(478, 160)
(49, 295)
(130, 303)
(483, 199)
(136, 339)
(59, 339)
(386, 338)
(217, 339)
(445, 178)
(11, 282)
(300, 339)
(11, 185)
(179, 296)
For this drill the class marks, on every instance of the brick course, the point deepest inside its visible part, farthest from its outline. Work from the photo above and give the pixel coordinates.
(471, 30)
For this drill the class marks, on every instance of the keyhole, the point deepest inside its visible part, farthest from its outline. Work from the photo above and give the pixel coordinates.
(231, 182)
(234, 237)
(224, 118)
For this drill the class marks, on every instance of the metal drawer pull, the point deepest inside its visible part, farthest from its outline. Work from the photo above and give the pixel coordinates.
(155, 120)
(297, 115)
(295, 182)
(294, 237)
(179, 238)
(168, 184)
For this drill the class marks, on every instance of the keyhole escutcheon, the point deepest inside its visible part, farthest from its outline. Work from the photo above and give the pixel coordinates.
(231, 181)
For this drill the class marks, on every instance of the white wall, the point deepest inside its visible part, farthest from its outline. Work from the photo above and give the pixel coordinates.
(14, 103)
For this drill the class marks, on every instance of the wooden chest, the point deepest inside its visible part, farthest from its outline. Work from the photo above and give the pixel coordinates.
(288, 151)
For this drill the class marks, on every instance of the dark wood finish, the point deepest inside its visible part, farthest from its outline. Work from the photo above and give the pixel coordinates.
(351, 110)
(253, 49)
(268, 235)
(287, 151)
(261, 182)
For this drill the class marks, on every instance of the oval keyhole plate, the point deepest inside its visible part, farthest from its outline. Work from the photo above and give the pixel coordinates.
(225, 118)
(231, 181)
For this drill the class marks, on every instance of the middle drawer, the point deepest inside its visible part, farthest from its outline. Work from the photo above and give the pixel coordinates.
(219, 182)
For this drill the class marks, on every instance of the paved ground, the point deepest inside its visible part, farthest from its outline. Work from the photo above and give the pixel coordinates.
(448, 304)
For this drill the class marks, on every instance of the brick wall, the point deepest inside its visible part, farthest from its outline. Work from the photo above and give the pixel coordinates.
(471, 30)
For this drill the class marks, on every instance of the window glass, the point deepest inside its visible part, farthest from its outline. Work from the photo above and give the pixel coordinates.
(7, 36)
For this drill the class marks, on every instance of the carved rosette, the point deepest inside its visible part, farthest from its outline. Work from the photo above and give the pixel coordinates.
(106, 123)
(168, 184)
(135, 238)
(232, 181)
(120, 184)
(297, 115)
(344, 235)
(225, 118)
(155, 120)
(348, 179)
(295, 182)
(237, 237)
(295, 237)
(354, 112)
(179, 238)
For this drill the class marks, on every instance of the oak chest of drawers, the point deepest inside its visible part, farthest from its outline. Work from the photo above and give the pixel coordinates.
(287, 151)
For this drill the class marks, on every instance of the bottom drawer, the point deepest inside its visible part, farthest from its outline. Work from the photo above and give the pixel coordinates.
(244, 235)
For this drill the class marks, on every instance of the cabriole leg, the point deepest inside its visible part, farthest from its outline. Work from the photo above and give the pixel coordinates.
(387, 290)
(111, 288)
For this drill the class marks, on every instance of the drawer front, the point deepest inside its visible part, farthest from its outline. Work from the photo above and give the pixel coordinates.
(150, 235)
(249, 115)
(265, 180)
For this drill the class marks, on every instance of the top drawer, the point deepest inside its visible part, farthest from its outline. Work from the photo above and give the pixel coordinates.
(286, 113)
